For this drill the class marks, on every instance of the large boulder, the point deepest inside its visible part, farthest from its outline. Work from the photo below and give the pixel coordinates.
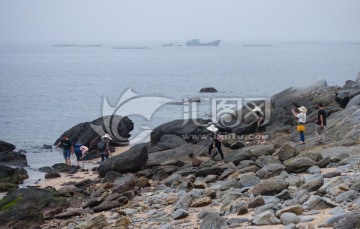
(208, 90)
(13, 158)
(270, 186)
(11, 177)
(25, 208)
(190, 130)
(132, 161)
(5, 146)
(180, 153)
(308, 96)
(298, 164)
(347, 93)
(89, 133)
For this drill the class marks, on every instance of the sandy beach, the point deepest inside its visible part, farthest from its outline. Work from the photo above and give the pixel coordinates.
(88, 174)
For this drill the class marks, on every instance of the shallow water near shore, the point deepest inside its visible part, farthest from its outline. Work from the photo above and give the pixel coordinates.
(46, 90)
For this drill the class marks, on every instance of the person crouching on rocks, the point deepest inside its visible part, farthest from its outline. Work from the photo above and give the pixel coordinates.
(80, 151)
(301, 122)
(68, 149)
(215, 140)
(104, 147)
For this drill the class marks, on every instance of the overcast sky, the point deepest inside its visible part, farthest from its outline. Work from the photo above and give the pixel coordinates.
(168, 20)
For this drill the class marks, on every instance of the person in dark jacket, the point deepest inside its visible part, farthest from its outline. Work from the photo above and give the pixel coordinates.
(215, 140)
(105, 149)
(320, 124)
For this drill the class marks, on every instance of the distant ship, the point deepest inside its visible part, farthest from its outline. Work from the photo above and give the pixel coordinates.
(196, 42)
(167, 45)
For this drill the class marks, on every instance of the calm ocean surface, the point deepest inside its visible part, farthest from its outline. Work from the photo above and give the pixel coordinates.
(46, 90)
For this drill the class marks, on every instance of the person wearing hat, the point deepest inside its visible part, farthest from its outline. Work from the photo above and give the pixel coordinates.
(260, 127)
(104, 147)
(301, 122)
(215, 140)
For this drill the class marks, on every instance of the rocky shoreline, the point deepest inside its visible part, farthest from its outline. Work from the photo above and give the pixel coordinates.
(157, 185)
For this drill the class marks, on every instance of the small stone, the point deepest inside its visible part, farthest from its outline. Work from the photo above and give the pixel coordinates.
(179, 214)
(289, 218)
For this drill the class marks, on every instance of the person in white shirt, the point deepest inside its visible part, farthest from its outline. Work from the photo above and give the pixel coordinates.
(301, 122)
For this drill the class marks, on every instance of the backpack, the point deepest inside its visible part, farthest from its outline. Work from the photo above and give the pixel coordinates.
(101, 145)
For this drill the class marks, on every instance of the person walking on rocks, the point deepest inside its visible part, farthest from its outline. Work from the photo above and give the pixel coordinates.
(215, 140)
(260, 127)
(301, 122)
(68, 149)
(104, 147)
(320, 124)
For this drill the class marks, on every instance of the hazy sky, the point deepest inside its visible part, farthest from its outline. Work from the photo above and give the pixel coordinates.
(167, 20)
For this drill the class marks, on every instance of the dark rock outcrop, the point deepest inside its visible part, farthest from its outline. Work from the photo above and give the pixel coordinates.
(192, 130)
(5, 146)
(11, 177)
(208, 90)
(132, 160)
(25, 208)
(13, 158)
(85, 133)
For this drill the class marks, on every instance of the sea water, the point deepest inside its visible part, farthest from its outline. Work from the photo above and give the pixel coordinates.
(45, 90)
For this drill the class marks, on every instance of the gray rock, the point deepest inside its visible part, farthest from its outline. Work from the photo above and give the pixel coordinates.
(271, 200)
(214, 170)
(347, 196)
(324, 162)
(248, 179)
(179, 214)
(287, 151)
(261, 150)
(272, 207)
(284, 195)
(295, 209)
(295, 180)
(332, 174)
(290, 226)
(318, 203)
(213, 221)
(350, 221)
(313, 183)
(236, 221)
(337, 211)
(236, 156)
(69, 214)
(256, 202)
(264, 160)
(331, 221)
(97, 222)
(210, 178)
(206, 211)
(105, 206)
(301, 196)
(230, 184)
(184, 202)
(270, 170)
(313, 170)
(173, 178)
(266, 218)
(289, 218)
(270, 186)
(299, 164)
(132, 160)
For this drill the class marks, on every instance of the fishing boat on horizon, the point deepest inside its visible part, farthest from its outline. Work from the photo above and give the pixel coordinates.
(196, 42)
